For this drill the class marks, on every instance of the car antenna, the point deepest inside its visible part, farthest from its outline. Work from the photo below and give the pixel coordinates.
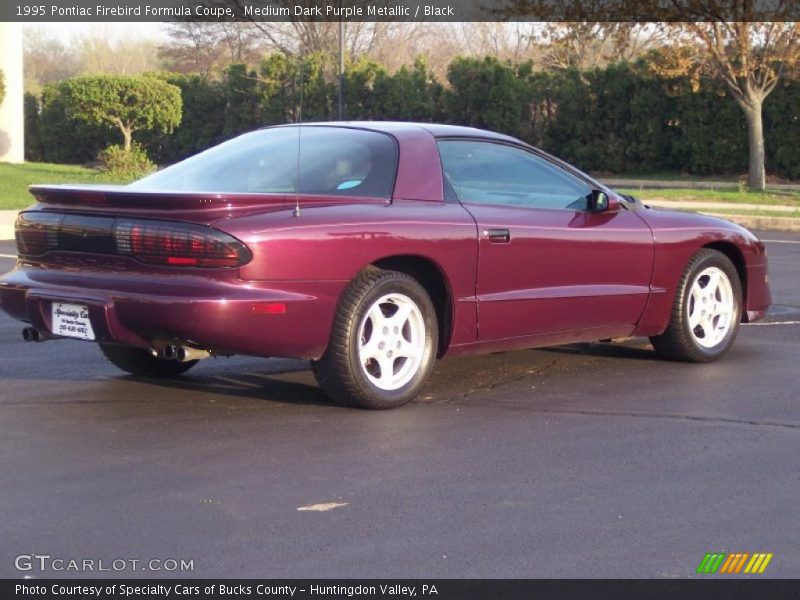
(296, 212)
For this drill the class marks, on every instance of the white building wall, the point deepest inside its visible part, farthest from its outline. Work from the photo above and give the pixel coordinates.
(12, 115)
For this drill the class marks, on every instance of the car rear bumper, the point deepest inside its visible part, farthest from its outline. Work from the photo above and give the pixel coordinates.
(222, 316)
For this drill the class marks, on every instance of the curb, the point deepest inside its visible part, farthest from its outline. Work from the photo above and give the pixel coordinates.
(726, 206)
(766, 223)
(679, 184)
(762, 223)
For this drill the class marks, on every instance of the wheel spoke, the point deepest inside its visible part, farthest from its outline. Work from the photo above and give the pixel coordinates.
(697, 294)
(370, 349)
(377, 317)
(713, 284)
(399, 318)
(407, 349)
(387, 369)
(695, 317)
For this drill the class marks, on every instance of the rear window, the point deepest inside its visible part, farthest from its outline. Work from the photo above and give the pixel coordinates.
(331, 161)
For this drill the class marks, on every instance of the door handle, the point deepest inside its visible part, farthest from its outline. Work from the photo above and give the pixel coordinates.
(497, 236)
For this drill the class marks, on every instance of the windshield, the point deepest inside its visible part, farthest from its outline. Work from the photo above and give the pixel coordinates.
(332, 161)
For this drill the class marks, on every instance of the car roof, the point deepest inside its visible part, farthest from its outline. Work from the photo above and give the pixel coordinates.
(435, 129)
(440, 130)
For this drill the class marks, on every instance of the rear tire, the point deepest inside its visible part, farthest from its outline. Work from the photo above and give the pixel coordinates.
(706, 312)
(139, 361)
(383, 343)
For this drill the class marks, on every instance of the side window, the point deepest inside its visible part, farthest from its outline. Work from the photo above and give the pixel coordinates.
(490, 173)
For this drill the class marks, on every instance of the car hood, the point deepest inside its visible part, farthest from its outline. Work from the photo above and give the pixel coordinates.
(661, 219)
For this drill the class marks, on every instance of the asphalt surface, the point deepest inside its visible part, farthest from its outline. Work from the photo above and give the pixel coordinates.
(580, 461)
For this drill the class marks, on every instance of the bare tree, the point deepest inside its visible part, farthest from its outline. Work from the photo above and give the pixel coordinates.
(587, 45)
(46, 60)
(200, 47)
(307, 35)
(749, 57)
(750, 45)
(311, 37)
(100, 51)
(506, 41)
(397, 44)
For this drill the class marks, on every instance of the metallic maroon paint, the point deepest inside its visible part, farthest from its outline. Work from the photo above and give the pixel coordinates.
(566, 276)
(677, 236)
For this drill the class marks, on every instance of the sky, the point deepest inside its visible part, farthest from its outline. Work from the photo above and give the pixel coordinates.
(66, 32)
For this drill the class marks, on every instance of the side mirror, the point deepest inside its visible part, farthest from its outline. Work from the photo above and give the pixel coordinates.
(599, 201)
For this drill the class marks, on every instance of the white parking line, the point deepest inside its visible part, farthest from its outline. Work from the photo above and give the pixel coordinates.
(8, 256)
(322, 507)
(782, 241)
(775, 323)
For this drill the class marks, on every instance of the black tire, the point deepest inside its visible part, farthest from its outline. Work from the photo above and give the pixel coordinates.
(678, 341)
(340, 373)
(139, 361)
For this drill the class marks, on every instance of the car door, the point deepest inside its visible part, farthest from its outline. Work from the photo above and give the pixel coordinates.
(545, 262)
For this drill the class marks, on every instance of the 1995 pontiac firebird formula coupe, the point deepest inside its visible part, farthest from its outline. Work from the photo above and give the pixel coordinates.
(371, 249)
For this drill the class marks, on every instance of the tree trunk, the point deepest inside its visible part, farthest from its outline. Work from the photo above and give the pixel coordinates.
(756, 179)
(127, 134)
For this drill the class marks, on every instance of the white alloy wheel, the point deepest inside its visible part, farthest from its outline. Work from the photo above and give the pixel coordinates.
(383, 342)
(391, 341)
(711, 307)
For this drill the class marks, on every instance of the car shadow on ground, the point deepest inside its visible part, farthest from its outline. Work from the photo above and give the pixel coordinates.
(451, 379)
(634, 348)
(295, 386)
(283, 381)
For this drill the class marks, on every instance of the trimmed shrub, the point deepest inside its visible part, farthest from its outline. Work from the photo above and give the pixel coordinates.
(127, 164)
(620, 119)
(125, 103)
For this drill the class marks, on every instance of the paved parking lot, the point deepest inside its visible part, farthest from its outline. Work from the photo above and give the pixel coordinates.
(579, 461)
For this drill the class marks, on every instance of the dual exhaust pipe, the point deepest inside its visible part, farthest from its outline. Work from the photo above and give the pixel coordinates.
(169, 352)
(31, 334)
(183, 353)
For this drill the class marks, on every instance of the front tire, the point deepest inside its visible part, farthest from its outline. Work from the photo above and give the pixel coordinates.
(383, 343)
(139, 361)
(706, 312)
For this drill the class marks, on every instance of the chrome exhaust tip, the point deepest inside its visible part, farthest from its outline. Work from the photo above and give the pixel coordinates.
(186, 354)
(31, 334)
(169, 352)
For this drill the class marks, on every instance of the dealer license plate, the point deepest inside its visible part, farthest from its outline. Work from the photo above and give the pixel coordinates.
(72, 320)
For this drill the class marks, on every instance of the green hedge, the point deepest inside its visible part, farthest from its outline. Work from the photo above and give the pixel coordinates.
(618, 119)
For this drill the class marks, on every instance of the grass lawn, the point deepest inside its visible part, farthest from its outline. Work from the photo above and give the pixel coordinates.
(734, 197)
(683, 177)
(15, 179)
(795, 214)
(668, 176)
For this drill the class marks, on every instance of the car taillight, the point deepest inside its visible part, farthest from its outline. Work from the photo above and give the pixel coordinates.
(178, 244)
(170, 243)
(37, 233)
